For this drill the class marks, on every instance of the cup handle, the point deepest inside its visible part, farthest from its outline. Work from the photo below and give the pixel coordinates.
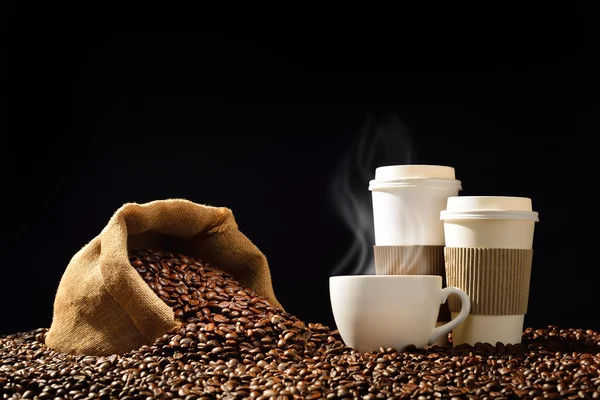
(465, 308)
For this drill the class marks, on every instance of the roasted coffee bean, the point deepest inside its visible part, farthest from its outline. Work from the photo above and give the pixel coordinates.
(234, 344)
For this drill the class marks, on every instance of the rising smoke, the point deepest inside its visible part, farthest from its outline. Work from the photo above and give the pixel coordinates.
(381, 141)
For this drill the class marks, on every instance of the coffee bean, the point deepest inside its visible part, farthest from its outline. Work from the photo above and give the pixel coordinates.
(233, 344)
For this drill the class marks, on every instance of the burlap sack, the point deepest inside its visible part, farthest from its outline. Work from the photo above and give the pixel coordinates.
(104, 307)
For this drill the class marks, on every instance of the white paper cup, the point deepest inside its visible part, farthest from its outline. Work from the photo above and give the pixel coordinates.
(407, 201)
(374, 311)
(491, 230)
(409, 236)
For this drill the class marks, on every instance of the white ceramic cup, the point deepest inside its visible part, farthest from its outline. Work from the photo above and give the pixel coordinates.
(407, 201)
(494, 222)
(374, 311)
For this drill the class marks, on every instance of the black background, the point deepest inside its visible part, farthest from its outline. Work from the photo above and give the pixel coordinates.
(262, 111)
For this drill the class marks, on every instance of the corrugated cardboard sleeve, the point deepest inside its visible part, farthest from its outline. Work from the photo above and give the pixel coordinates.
(413, 260)
(496, 280)
(409, 260)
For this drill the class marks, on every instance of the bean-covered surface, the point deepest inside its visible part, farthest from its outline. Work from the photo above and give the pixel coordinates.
(233, 344)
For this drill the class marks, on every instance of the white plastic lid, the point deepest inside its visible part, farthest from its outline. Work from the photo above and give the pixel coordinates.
(410, 175)
(489, 207)
(396, 172)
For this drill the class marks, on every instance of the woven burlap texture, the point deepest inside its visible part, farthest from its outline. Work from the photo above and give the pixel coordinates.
(103, 306)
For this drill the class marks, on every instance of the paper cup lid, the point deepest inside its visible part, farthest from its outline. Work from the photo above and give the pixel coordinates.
(408, 175)
(398, 172)
(489, 207)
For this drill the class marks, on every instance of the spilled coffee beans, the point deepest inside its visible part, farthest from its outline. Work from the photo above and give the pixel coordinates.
(233, 344)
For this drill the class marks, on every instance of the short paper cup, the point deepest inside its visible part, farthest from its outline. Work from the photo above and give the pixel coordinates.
(488, 254)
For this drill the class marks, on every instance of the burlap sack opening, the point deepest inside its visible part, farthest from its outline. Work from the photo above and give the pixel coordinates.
(103, 306)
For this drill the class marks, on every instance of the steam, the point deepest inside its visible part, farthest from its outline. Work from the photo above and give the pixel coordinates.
(379, 142)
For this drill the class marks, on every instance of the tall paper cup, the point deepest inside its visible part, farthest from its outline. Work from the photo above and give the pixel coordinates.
(409, 236)
(488, 254)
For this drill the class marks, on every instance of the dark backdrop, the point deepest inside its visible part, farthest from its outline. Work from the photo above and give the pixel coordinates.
(283, 116)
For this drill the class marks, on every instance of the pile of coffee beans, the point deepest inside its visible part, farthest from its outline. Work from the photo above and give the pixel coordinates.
(232, 345)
